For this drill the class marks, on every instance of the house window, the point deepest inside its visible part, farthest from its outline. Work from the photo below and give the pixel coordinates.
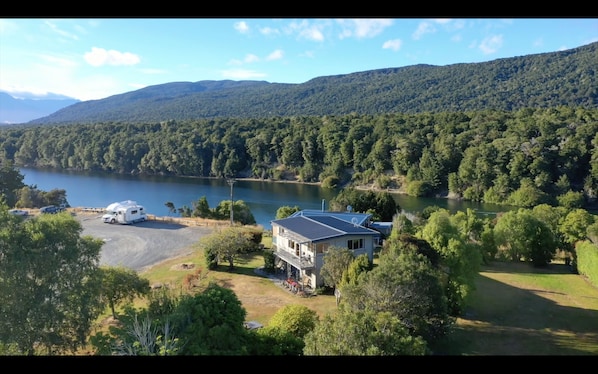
(290, 244)
(322, 247)
(355, 243)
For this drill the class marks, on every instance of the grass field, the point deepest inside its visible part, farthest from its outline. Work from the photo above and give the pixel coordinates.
(515, 310)
(521, 310)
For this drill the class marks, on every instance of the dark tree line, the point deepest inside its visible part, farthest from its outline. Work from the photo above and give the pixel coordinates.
(522, 158)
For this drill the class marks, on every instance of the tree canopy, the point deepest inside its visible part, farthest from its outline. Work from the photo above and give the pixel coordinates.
(49, 283)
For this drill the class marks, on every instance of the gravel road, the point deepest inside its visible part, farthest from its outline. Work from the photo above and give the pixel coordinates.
(143, 244)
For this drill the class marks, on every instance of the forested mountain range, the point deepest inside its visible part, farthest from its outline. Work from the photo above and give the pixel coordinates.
(563, 78)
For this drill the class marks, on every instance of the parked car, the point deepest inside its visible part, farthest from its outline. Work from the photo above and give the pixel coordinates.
(50, 209)
(19, 212)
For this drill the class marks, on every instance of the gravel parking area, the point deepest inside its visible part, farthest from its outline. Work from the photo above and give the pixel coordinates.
(143, 244)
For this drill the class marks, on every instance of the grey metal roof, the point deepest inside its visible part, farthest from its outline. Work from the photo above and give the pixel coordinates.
(357, 218)
(315, 228)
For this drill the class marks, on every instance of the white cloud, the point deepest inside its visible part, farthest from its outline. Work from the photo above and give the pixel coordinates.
(275, 55)
(44, 78)
(61, 32)
(249, 58)
(241, 27)
(363, 28)
(269, 31)
(313, 33)
(235, 62)
(394, 44)
(457, 38)
(422, 29)
(449, 24)
(101, 56)
(318, 30)
(241, 74)
(491, 44)
(305, 30)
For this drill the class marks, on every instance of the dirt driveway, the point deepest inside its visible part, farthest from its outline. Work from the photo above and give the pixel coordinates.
(141, 245)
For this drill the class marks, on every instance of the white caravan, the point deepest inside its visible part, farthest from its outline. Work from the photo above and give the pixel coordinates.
(124, 212)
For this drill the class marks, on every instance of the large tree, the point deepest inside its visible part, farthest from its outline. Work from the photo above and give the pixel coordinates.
(285, 211)
(273, 340)
(210, 323)
(296, 319)
(11, 180)
(226, 245)
(336, 262)
(381, 205)
(362, 333)
(407, 285)
(121, 284)
(451, 236)
(524, 237)
(49, 283)
(575, 225)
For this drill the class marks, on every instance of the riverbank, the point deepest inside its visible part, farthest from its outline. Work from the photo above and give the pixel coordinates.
(365, 187)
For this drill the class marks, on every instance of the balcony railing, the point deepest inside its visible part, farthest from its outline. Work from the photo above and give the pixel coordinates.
(300, 262)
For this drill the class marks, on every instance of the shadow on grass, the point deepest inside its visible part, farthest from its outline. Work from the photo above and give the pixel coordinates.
(244, 265)
(505, 319)
(526, 267)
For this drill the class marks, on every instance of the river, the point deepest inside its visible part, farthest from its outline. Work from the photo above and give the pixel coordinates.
(95, 189)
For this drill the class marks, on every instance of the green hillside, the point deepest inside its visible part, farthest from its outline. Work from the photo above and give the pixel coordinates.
(563, 78)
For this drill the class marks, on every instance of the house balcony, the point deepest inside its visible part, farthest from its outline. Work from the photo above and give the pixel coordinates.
(300, 262)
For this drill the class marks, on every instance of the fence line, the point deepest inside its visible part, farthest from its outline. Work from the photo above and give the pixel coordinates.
(187, 221)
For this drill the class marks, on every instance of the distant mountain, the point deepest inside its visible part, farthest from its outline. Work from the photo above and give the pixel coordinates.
(22, 110)
(563, 78)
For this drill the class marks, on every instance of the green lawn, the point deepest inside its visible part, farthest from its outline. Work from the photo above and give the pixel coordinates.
(520, 310)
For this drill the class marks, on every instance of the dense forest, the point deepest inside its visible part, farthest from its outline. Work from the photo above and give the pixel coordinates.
(547, 80)
(522, 158)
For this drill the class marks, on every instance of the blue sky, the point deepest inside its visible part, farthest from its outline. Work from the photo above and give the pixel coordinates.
(88, 59)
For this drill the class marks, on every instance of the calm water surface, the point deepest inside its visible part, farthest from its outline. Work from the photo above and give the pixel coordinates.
(92, 189)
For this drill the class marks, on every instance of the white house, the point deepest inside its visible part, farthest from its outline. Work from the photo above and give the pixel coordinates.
(301, 241)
